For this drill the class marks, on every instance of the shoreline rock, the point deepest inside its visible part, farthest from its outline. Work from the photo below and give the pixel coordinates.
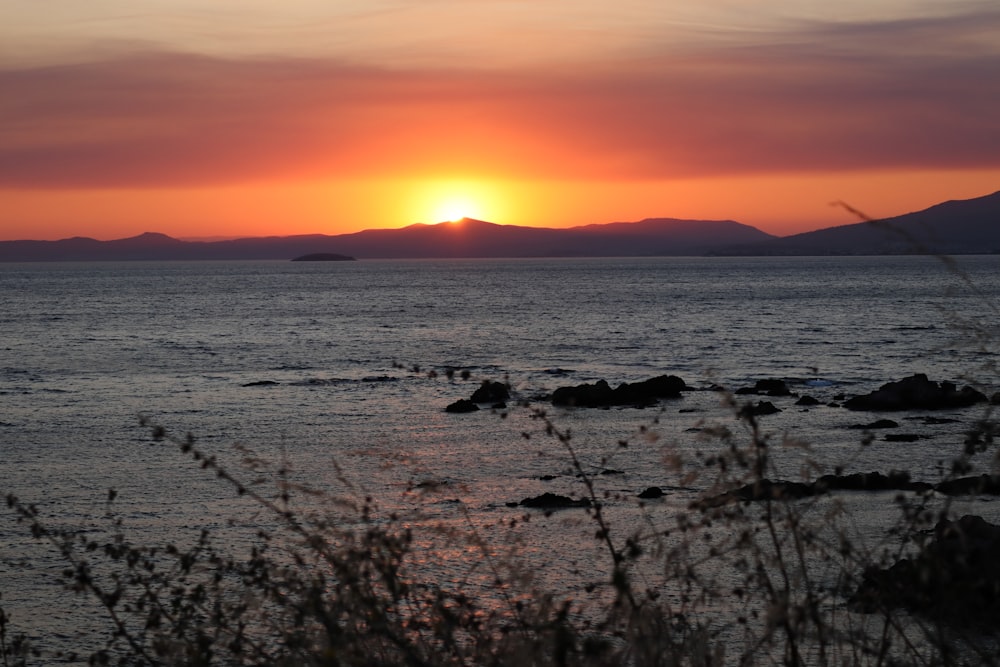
(600, 394)
(955, 577)
(552, 501)
(916, 393)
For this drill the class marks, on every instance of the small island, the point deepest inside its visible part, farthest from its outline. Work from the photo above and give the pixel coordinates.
(324, 257)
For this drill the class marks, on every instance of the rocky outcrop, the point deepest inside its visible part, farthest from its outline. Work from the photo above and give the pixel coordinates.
(916, 393)
(553, 501)
(767, 387)
(878, 423)
(955, 577)
(988, 485)
(600, 394)
(461, 406)
(494, 393)
(781, 490)
(761, 408)
(870, 481)
(490, 392)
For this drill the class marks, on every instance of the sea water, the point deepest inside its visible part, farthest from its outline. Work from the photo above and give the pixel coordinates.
(341, 372)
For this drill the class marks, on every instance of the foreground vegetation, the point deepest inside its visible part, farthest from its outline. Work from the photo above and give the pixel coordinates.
(773, 579)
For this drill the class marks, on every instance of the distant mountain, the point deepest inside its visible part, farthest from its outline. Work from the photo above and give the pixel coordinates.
(465, 238)
(962, 227)
(970, 226)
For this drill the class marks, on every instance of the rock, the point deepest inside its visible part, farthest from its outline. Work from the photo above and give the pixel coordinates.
(772, 387)
(652, 492)
(954, 578)
(491, 392)
(982, 485)
(936, 420)
(807, 401)
(779, 490)
(769, 387)
(461, 406)
(600, 394)
(881, 423)
(766, 489)
(869, 481)
(554, 501)
(762, 408)
(648, 391)
(763, 489)
(916, 393)
(901, 437)
(584, 395)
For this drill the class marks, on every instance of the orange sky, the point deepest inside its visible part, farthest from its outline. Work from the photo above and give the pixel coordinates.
(197, 120)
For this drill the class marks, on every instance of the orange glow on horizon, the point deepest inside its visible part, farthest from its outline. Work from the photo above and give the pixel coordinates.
(780, 204)
(449, 200)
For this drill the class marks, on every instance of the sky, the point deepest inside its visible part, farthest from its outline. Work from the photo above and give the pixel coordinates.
(211, 119)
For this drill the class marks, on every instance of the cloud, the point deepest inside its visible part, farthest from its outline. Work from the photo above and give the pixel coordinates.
(910, 93)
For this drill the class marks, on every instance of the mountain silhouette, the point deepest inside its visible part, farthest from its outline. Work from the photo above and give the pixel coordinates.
(464, 238)
(959, 227)
(970, 226)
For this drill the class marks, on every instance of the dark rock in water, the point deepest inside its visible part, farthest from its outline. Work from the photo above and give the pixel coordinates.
(763, 489)
(869, 481)
(323, 257)
(554, 501)
(462, 405)
(780, 490)
(936, 420)
(768, 387)
(916, 393)
(880, 423)
(490, 392)
(648, 391)
(652, 492)
(807, 401)
(772, 387)
(954, 578)
(982, 485)
(600, 394)
(261, 383)
(584, 395)
(901, 437)
(760, 409)
(766, 489)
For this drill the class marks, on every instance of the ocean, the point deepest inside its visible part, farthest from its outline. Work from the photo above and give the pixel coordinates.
(340, 373)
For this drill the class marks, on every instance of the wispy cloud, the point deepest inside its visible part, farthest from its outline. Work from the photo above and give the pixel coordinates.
(906, 93)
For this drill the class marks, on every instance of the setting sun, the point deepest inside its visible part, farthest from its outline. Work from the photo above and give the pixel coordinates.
(451, 200)
(452, 210)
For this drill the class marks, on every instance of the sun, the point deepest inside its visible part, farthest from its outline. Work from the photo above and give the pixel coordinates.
(455, 208)
(449, 200)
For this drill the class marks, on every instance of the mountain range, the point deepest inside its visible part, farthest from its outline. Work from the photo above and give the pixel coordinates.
(969, 226)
